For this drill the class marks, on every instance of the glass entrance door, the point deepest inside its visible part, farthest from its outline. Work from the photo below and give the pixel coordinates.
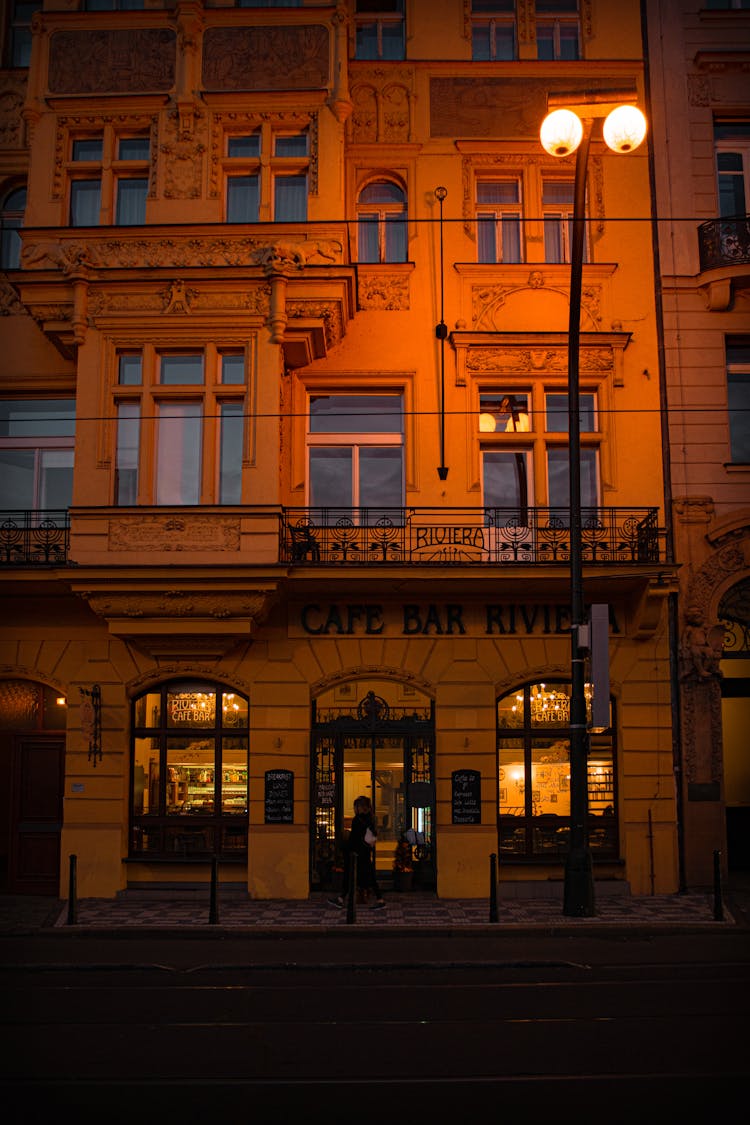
(383, 752)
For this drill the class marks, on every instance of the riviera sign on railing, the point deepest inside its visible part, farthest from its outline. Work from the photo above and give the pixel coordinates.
(460, 536)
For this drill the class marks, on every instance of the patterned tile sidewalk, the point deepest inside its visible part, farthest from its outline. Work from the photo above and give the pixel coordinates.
(663, 910)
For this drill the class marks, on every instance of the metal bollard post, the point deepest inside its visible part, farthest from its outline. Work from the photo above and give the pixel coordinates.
(718, 906)
(351, 898)
(493, 887)
(213, 906)
(72, 892)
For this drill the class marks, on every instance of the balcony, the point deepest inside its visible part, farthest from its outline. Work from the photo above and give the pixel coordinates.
(724, 242)
(34, 538)
(461, 536)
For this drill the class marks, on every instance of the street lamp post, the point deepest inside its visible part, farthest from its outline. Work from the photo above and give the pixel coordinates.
(568, 129)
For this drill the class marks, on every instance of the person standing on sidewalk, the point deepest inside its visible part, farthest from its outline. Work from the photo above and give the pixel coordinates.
(360, 842)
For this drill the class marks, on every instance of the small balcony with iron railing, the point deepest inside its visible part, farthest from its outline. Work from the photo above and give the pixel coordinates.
(34, 538)
(466, 536)
(724, 254)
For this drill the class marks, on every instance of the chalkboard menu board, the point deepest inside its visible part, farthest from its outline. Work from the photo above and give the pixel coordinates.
(279, 797)
(466, 796)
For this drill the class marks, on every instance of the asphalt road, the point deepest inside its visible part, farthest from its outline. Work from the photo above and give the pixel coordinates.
(569, 1029)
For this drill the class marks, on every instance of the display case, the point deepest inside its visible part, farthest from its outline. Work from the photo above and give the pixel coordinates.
(192, 789)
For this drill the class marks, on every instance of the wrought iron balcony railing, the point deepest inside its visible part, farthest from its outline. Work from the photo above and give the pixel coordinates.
(460, 536)
(724, 242)
(29, 538)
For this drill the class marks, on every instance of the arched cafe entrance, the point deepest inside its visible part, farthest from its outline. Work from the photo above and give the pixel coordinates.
(374, 738)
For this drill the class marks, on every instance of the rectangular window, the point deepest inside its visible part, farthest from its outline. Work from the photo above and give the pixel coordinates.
(245, 146)
(556, 408)
(355, 453)
(128, 451)
(20, 30)
(181, 414)
(379, 29)
(85, 203)
(36, 453)
(505, 478)
(134, 148)
(504, 413)
(557, 211)
(498, 221)
(131, 202)
(738, 399)
(87, 148)
(230, 453)
(178, 453)
(181, 370)
(557, 29)
(732, 144)
(558, 478)
(493, 30)
(290, 199)
(243, 198)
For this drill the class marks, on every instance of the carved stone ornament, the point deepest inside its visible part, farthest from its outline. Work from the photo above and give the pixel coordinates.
(116, 61)
(487, 301)
(9, 302)
(383, 106)
(513, 361)
(700, 647)
(12, 95)
(173, 533)
(383, 291)
(327, 311)
(183, 166)
(219, 605)
(266, 58)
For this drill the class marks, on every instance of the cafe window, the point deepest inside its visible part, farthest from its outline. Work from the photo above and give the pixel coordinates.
(533, 777)
(189, 772)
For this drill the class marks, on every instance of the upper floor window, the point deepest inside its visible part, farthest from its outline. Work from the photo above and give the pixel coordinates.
(738, 398)
(732, 145)
(269, 3)
(355, 453)
(498, 204)
(36, 453)
(524, 448)
(11, 220)
(493, 30)
(557, 211)
(109, 177)
(19, 36)
(267, 175)
(558, 33)
(725, 4)
(381, 211)
(114, 5)
(379, 29)
(180, 424)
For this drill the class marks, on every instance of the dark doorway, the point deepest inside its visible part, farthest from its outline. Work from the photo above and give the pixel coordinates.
(31, 779)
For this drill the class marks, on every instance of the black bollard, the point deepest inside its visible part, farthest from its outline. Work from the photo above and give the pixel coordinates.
(213, 906)
(351, 898)
(493, 887)
(718, 907)
(72, 892)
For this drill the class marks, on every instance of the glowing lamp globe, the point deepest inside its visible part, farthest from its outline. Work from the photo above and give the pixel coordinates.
(561, 132)
(624, 128)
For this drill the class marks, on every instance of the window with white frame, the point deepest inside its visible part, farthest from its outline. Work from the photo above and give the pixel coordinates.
(180, 424)
(498, 211)
(732, 146)
(381, 215)
(557, 213)
(523, 441)
(558, 30)
(355, 448)
(493, 30)
(738, 398)
(11, 221)
(36, 454)
(108, 177)
(379, 29)
(266, 173)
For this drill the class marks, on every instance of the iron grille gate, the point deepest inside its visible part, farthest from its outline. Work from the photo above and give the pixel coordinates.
(389, 754)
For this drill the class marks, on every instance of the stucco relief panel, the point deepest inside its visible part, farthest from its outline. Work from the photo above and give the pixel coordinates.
(131, 61)
(174, 533)
(266, 58)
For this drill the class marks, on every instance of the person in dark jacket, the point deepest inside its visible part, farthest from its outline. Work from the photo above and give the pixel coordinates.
(357, 844)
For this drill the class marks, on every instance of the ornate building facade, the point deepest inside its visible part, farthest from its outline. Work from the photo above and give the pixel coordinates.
(701, 131)
(285, 421)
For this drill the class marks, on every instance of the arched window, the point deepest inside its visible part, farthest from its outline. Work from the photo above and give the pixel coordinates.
(189, 795)
(533, 771)
(11, 219)
(381, 212)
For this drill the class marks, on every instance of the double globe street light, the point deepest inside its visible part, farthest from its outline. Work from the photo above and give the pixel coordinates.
(566, 129)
